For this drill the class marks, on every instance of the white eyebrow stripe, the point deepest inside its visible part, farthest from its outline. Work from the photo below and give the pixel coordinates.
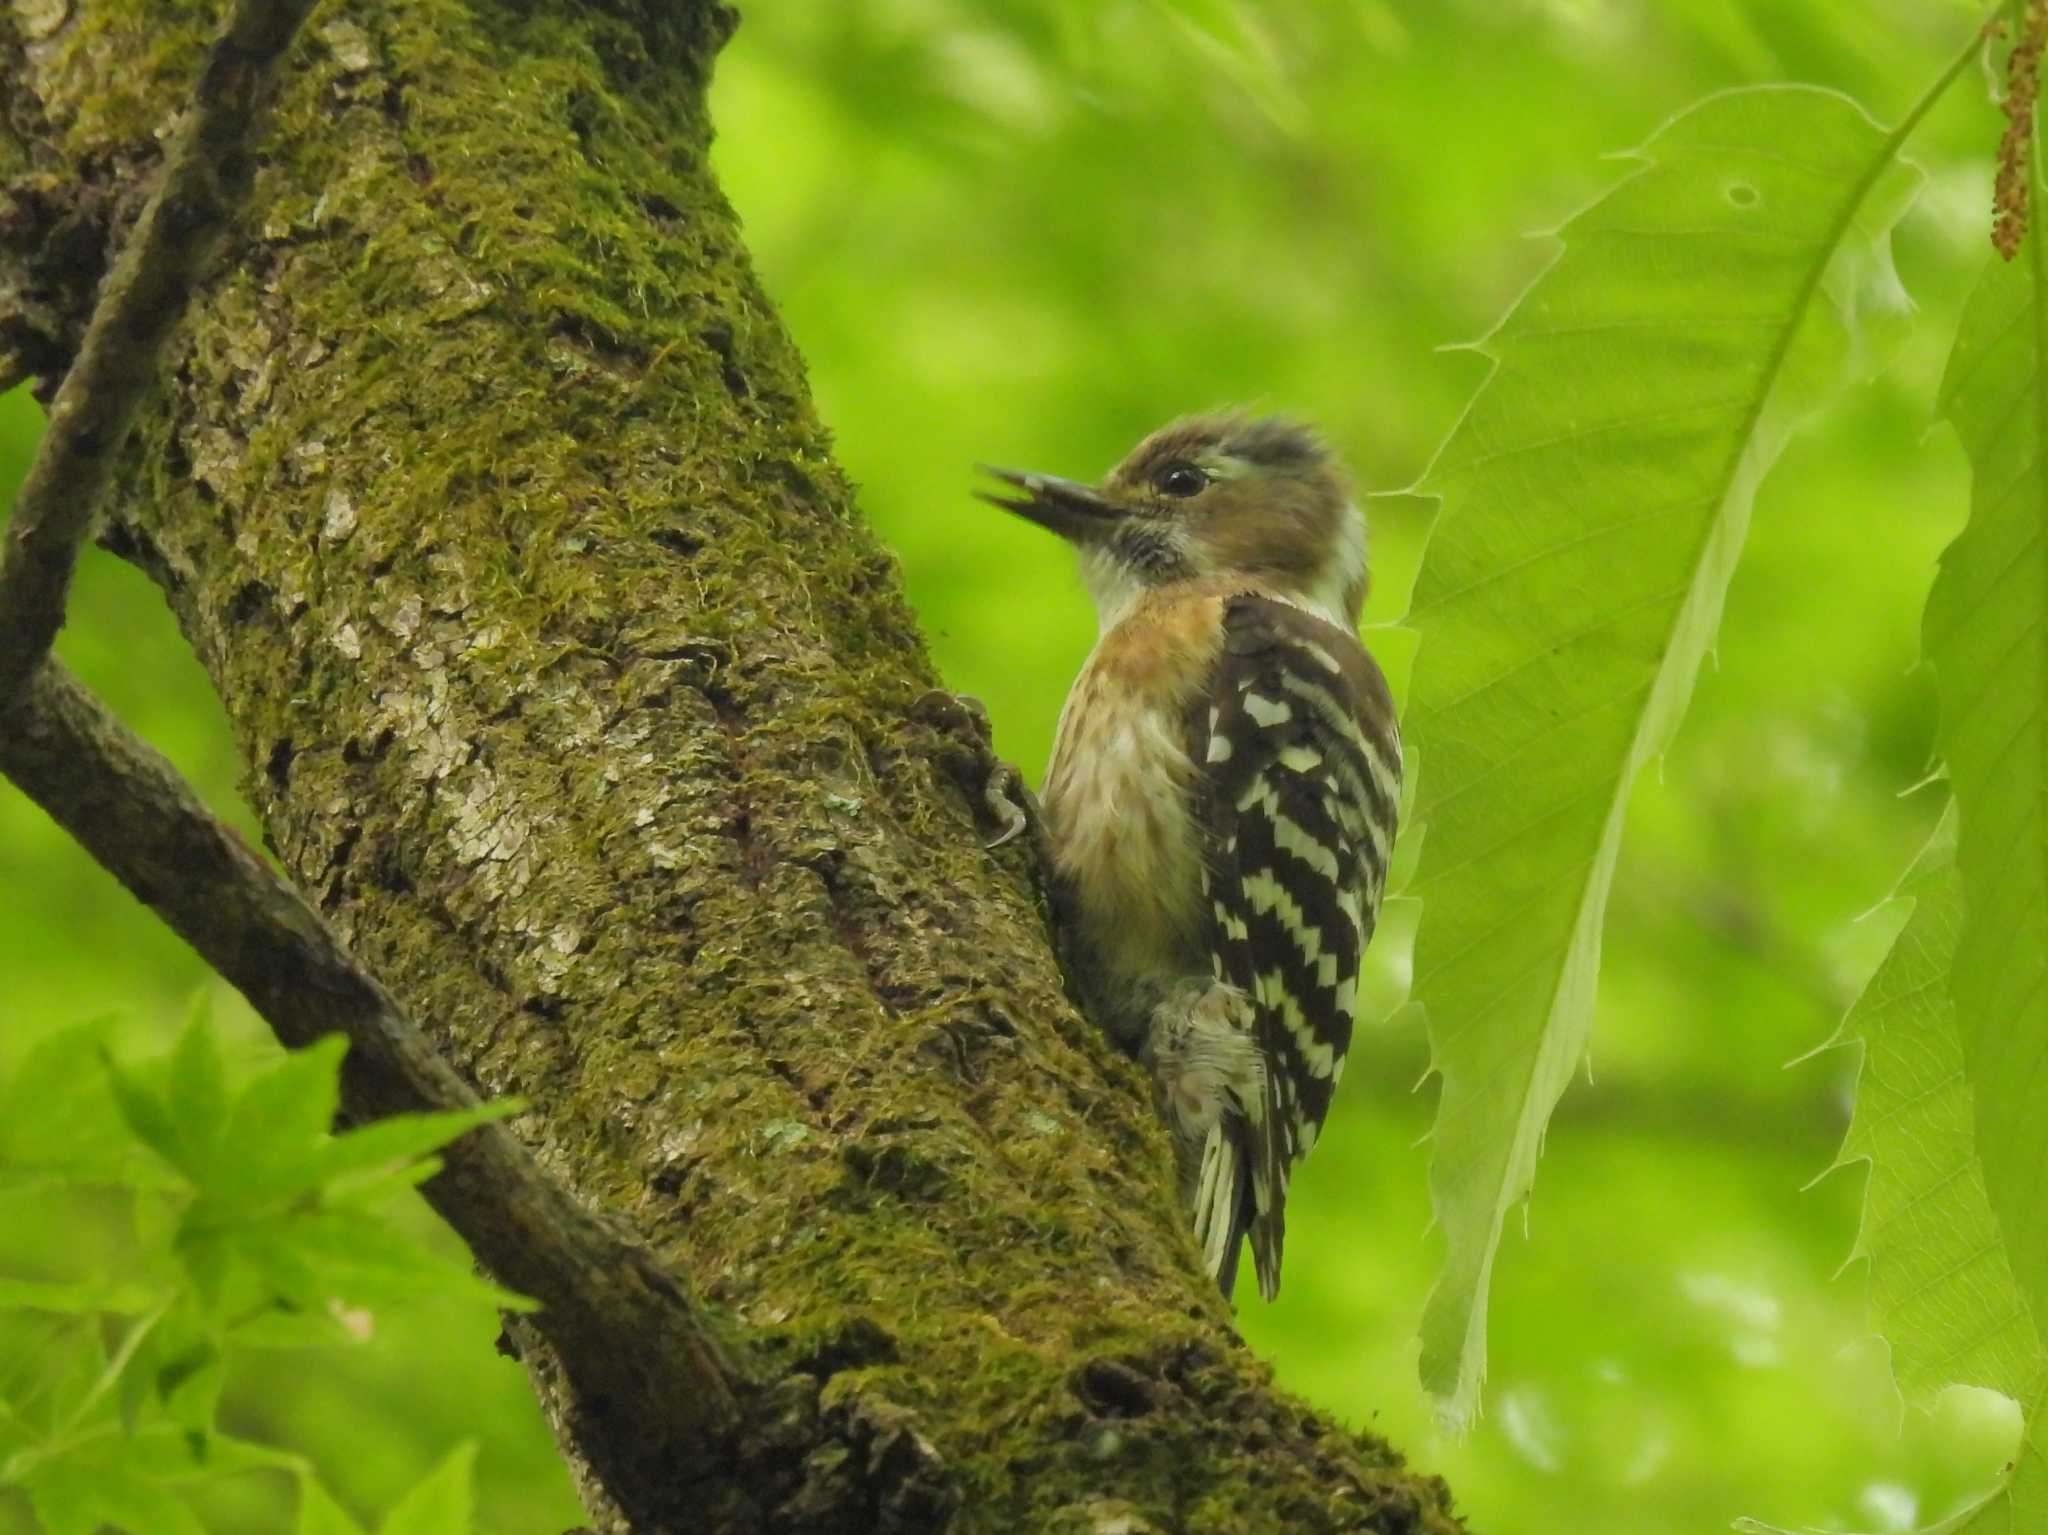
(1219, 465)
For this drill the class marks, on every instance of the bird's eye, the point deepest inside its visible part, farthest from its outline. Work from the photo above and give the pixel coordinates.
(1180, 479)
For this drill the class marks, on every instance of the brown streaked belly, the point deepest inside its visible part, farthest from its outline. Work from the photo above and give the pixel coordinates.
(1119, 791)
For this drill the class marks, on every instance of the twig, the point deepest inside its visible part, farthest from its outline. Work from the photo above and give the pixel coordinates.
(206, 174)
(625, 1329)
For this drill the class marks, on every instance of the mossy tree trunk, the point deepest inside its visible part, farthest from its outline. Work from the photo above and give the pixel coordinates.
(486, 485)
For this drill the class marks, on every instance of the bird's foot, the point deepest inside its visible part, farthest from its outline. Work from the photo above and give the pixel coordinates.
(995, 783)
(1014, 807)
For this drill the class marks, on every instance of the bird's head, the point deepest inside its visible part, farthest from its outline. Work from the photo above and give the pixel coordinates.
(1221, 495)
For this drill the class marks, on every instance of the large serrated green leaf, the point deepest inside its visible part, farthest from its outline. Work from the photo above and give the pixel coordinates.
(1955, 1023)
(1595, 498)
(1988, 640)
(1942, 1292)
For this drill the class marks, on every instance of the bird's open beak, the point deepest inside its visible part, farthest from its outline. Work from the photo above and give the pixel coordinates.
(1069, 508)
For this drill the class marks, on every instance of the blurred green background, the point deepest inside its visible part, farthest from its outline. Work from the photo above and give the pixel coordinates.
(1026, 233)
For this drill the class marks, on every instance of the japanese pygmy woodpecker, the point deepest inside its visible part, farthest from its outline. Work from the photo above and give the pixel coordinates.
(1222, 795)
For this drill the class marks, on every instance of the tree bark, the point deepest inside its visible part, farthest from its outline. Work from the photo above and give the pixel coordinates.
(486, 484)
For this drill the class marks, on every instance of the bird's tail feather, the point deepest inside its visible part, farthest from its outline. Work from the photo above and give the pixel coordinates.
(1224, 1206)
(1265, 1159)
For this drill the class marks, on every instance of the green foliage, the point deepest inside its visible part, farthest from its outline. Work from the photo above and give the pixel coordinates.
(238, 1221)
(1595, 500)
(1956, 1022)
(1025, 233)
(1989, 645)
(1938, 1270)
(1942, 1287)
(1643, 388)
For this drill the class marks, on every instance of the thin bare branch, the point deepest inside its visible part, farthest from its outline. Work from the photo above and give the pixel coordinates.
(609, 1307)
(206, 175)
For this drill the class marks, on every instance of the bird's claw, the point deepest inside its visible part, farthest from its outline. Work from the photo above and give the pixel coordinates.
(1008, 801)
(978, 769)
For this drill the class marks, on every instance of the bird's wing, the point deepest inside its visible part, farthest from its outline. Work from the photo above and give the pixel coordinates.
(1302, 765)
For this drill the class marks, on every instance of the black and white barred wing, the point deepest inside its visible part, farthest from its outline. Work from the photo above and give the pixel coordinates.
(1304, 766)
